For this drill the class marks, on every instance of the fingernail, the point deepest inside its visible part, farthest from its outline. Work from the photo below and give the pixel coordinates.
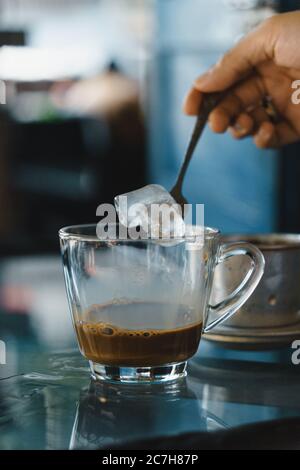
(263, 138)
(239, 128)
(264, 134)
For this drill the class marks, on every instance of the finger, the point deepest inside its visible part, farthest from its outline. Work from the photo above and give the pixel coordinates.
(247, 95)
(275, 136)
(259, 116)
(252, 50)
(266, 136)
(251, 92)
(192, 102)
(219, 120)
(242, 127)
(249, 123)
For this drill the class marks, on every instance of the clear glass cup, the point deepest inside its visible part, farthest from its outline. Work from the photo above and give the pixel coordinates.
(139, 307)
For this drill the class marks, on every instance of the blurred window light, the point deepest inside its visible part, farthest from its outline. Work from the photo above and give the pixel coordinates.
(2, 92)
(33, 64)
(24, 8)
(251, 4)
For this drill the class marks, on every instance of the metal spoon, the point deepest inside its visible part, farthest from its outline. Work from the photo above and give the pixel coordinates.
(210, 101)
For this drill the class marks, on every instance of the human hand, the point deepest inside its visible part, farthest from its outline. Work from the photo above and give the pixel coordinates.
(264, 64)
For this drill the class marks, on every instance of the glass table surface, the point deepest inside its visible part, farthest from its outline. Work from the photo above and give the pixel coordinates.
(48, 401)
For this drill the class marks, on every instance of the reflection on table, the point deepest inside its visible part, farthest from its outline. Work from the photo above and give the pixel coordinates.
(47, 399)
(55, 405)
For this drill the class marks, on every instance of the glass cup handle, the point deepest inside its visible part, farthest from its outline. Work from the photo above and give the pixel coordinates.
(236, 299)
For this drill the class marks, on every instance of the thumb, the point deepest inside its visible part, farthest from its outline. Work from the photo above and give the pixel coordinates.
(252, 50)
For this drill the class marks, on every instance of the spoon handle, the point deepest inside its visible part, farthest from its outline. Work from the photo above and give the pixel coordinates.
(210, 101)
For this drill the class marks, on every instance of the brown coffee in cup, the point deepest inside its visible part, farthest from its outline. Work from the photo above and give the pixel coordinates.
(105, 343)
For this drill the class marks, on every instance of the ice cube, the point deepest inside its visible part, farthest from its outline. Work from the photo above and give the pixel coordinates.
(154, 209)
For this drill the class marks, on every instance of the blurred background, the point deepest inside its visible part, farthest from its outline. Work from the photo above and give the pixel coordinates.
(94, 92)
(93, 108)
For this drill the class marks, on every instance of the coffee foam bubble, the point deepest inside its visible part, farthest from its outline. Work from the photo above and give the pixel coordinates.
(106, 329)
